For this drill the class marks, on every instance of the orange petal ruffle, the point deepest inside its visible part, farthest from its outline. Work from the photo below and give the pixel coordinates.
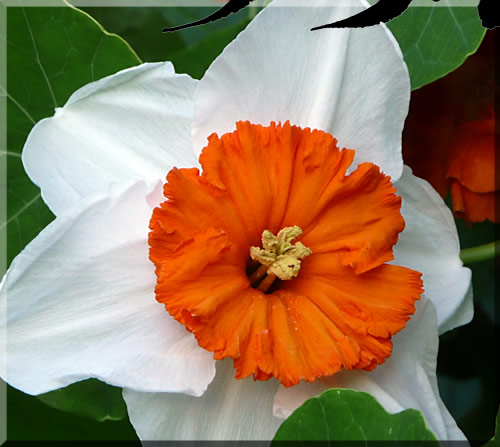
(474, 185)
(345, 304)
(473, 206)
(473, 156)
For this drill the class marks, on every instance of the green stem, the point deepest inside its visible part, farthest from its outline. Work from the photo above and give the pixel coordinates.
(480, 253)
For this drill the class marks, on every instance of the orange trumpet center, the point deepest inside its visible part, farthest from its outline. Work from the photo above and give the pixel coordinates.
(275, 257)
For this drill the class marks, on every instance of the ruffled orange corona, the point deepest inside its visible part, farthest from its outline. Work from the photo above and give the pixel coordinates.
(275, 257)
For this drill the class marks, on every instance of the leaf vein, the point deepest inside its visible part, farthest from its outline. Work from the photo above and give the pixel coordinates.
(37, 58)
(20, 211)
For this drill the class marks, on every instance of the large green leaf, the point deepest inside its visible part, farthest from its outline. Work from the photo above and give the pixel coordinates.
(141, 28)
(436, 40)
(348, 415)
(90, 398)
(51, 52)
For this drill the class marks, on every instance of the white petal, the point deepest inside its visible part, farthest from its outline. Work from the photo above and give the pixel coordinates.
(134, 125)
(80, 303)
(410, 373)
(229, 410)
(406, 380)
(352, 83)
(430, 245)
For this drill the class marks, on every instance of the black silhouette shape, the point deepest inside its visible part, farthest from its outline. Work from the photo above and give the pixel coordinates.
(488, 14)
(383, 11)
(230, 7)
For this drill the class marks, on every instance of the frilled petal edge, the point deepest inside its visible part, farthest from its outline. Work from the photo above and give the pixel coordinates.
(406, 380)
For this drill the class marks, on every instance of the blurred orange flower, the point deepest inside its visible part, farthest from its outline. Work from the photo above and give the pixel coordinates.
(449, 135)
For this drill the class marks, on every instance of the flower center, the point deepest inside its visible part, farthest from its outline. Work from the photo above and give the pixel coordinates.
(278, 258)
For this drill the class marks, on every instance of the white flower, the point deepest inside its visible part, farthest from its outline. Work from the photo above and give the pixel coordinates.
(80, 298)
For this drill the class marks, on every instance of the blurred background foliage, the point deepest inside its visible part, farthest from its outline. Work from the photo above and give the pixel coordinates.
(434, 42)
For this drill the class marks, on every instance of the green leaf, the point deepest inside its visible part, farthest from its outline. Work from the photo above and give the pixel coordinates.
(436, 40)
(51, 52)
(90, 398)
(348, 415)
(141, 27)
(196, 59)
(31, 420)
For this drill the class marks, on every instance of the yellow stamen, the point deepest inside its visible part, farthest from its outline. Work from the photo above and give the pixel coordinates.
(280, 257)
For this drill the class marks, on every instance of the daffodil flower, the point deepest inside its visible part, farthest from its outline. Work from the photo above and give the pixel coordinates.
(275, 256)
